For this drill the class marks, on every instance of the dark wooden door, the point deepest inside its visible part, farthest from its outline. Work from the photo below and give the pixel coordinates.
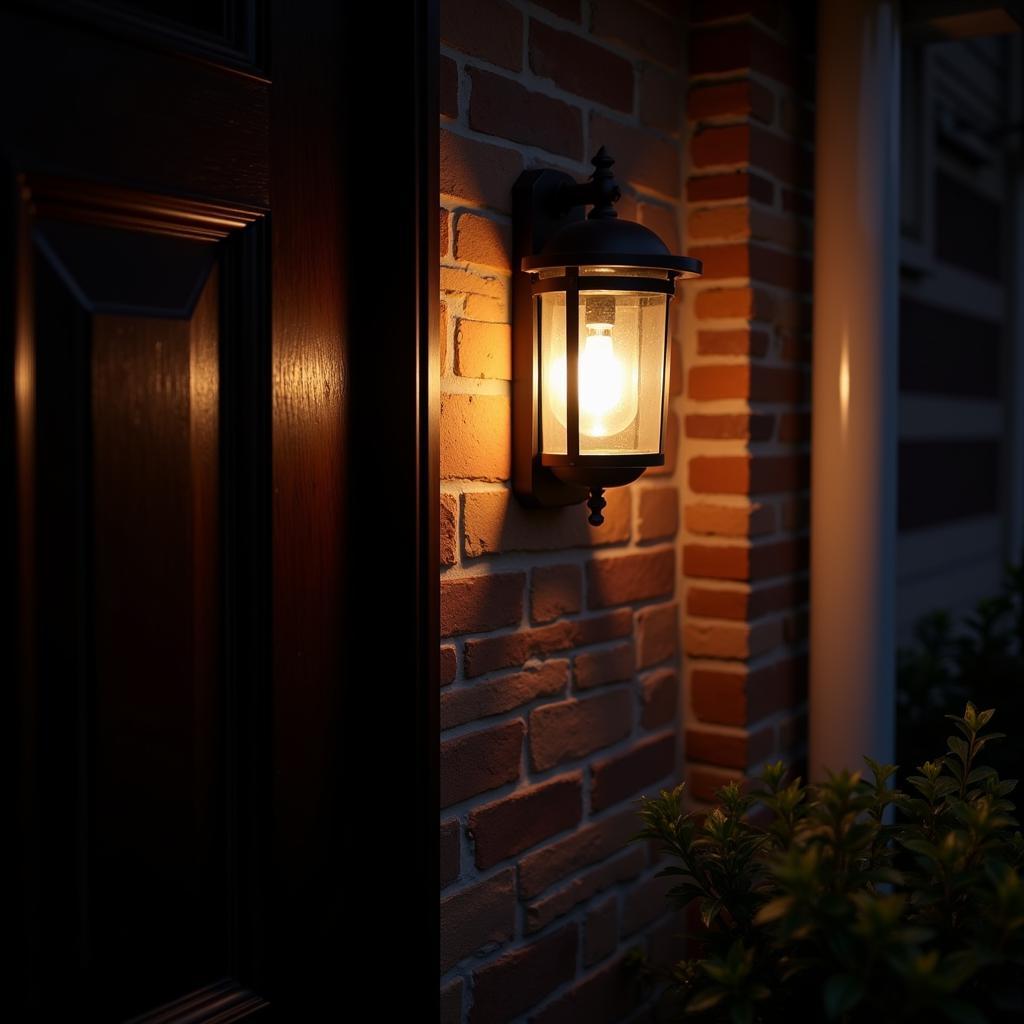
(174, 450)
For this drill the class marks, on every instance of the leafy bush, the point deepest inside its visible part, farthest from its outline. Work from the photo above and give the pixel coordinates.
(981, 660)
(815, 907)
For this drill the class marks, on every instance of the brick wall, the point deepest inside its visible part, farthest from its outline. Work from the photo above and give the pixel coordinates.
(562, 696)
(747, 413)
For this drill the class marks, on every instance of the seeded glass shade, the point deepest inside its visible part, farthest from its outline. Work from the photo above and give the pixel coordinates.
(620, 372)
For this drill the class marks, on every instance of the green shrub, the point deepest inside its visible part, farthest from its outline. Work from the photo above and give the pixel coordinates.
(980, 659)
(816, 908)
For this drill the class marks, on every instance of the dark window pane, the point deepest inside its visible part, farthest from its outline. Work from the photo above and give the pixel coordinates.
(942, 481)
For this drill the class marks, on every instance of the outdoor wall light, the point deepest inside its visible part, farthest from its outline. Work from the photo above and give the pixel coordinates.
(590, 340)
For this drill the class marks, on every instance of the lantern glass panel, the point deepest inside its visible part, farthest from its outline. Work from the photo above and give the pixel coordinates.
(621, 372)
(551, 317)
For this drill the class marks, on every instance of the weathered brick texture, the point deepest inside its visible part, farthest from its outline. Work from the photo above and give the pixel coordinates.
(744, 546)
(582, 667)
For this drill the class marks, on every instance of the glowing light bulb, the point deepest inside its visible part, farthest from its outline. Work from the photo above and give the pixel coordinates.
(602, 381)
(608, 404)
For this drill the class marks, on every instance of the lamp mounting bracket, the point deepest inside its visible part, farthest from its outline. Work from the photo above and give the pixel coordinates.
(542, 202)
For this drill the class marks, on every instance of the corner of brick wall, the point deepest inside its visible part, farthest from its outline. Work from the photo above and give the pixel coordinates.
(747, 412)
(561, 696)
(560, 660)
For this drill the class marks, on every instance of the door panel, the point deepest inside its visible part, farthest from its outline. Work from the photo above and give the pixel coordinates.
(147, 677)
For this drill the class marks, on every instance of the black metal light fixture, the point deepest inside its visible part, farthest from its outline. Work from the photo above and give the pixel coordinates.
(590, 340)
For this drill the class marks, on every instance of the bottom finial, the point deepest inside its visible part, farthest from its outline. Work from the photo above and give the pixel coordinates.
(596, 503)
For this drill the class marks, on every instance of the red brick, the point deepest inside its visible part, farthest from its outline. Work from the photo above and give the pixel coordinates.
(604, 997)
(729, 750)
(731, 640)
(479, 761)
(704, 783)
(449, 532)
(660, 698)
(627, 578)
(717, 604)
(483, 350)
(545, 910)
(718, 561)
(451, 1002)
(478, 171)
(720, 474)
(449, 665)
(739, 696)
(449, 91)
(749, 260)
(623, 775)
(581, 67)
(484, 296)
(491, 29)
(608, 665)
(478, 916)
(483, 241)
(572, 729)
(738, 48)
(746, 604)
(754, 146)
(730, 520)
(657, 630)
(514, 649)
(737, 185)
(476, 437)
(494, 522)
(601, 931)
(757, 383)
(479, 700)
(450, 853)
(745, 474)
(506, 827)
(730, 99)
(637, 28)
(790, 593)
(659, 513)
(725, 145)
(720, 222)
(731, 425)
(742, 342)
(641, 158)
(661, 104)
(520, 979)
(748, 303)
(500, 106)
(555, 590)
(720, 695)
(776, 559)
(478, 604)
(588, 845)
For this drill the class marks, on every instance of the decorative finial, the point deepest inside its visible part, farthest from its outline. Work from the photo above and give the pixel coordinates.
(596, 503)
(604, 190)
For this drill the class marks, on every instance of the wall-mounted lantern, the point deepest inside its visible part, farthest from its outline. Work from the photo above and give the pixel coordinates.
(590, 340)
